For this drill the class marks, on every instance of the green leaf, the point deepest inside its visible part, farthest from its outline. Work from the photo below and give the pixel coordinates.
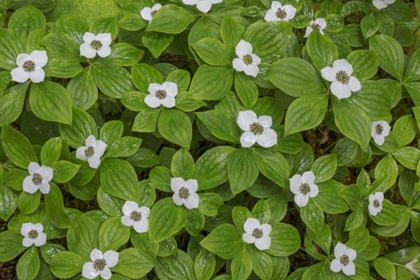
(48, 251)
(119, 179)
(62, 69)
(143, 74)
(385, 268)
(62, 46)
(210, 203)
(133, 264)
(72, 25)
(28, 265)
(195, 222)
(408, 156)
(321, 50)
(10, 48)
(85, 173)
(113, 234)
(241, 265)
(369, 25)
(371, 251)
(220, 124)
(413, 70)
(352, 122)
(180, 77)
(160, 177)
(146, 247)
(305, 113)
(166, 219)
(156, 42)
(132, 22)
(204, 265)
(146, 120)
(82, 237)
(54, 208)
(242, 170)
(390, 54)
(400, 12)
(175, 126)
(112, 80)
(296, 77)
(261, 211)
(144, 158)
(179, 266)
(105, 25)
(225, 241)
(123, 54)
(83, 90)
(364, 62)
(8, 201)
(26, 19)
(388, 216)
(51, 102)
(387, 169)
(111, 131)
(11, 103)
(213, 52)
(284, 240)
(246, 89)
(268, 39)
(405, 130)
(324, 168)
(123, 147)
(182, 164)
(10, 246)
(82, 127)
(328, 199)
(64, 171)
(272, 165)
(262, 264)
(171, 19)
(67, 264)
(28, 203)
(17, 147)
(312, 215)
(211, 82)
(167, 247)
(232, 32)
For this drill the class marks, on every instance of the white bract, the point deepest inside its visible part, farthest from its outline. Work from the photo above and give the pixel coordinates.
(163, 94)
(380, 130)
(39, 178)
(256, 130)
(100, 264)
(303, 187)
(185, 192)
(33, 234)
(342, 83)
(135, 216)
(96, 44)
(147, 13)
(257, 233)
(246, 60)
(92, 152)
(317, 24)
(380, 4)
(344, 258)
(202, 5)
(30, 67)
(278, 12)
(375, 203)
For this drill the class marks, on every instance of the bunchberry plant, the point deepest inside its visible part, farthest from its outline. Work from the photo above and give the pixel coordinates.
(209, 139)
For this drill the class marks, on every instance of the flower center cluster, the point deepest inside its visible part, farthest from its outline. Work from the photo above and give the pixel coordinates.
(281, 14)
(344, 260)
(89, 151)
(184, 193)
(257, 233)
(256, 128)
(379, 129)
(376, 203)
(304, 188)
(161, 94)
(32, 234)
(99, 264)
(316, 26)
(28, 66)
(96, 45)
(247, 59)
(37, 179)
(135, 216)
(342, 77)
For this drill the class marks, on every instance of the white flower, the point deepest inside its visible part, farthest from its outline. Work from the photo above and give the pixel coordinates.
(148, 13)
(342, 83)
(380, 130)
(303, 187)
(279, 12)
(185, 192)
(39, 178)
(246, 60)
(256, 130)
(33, 234)
(414, 266)
(375, 203)
(202, 5)
(163, 94)
(30, 67)
(318, 24)
(257, 233)
(135, 216)
(96, 44)
(344, 258)
(380, 4)
(100, 264)
(92, 152)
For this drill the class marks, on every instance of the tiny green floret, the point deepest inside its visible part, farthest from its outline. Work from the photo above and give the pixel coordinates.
(37, 179)
(342, 77)
(184, 193)
(256, 128)
(257, 233)
(247, 59)
(96, 45)
(305, 188)
(99, 264)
